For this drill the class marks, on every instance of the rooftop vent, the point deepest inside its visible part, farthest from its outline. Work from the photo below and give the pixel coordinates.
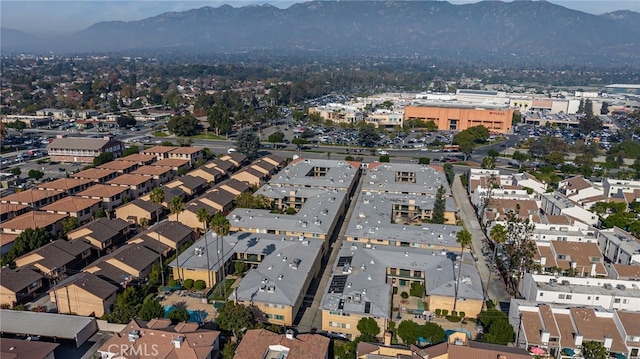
(177, 342)
(133, 335)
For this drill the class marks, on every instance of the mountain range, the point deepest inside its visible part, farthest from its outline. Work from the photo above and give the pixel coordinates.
(532, 30)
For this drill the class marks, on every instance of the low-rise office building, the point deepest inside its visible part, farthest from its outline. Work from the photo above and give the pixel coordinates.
(461, 116)
(84, 150)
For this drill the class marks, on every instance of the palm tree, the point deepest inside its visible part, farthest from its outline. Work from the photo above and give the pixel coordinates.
(499, 235)
(220, 225)
(464, 239)
(203, 217)
(157, 197)
(175, 206)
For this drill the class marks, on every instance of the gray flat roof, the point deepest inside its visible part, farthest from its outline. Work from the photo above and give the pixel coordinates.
(279, 251)
(371, 218)
(382, 178)
(316, 215)
(340, 174)
(45, 324)
(360, 286)
(625, 241)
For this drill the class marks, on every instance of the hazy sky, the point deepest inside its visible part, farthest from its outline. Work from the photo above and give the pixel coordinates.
(55, 17)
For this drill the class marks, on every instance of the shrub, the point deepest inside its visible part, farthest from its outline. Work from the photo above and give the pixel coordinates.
(445, 312)
(404, 295)
(453, 318)
(454, 313)
(172, 282)
(188, 283)
(417, 290)
(462, 314)
(438, 312)
(199, 284)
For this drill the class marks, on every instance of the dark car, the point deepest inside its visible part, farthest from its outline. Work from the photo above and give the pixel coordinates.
(62, 169)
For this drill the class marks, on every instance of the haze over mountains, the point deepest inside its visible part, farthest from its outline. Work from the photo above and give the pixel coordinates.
(536, 31)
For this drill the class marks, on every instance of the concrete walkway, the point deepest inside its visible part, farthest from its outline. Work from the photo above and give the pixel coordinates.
(312, 317)
(495, 288)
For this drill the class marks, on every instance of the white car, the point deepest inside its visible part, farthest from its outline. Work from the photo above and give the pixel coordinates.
(231, 150)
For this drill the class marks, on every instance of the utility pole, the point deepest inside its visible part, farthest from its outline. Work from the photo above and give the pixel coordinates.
(55, 292)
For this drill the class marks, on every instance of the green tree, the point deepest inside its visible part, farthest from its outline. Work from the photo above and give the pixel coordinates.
(132, 150)
(151, 309)
(16, 171)
(519, 247)
(488, 163)
(463, 238)
(595, 350)
(178, 315)
(235, 318)
(17, 125)
(439, 207)
(157, 197)
(248, 143)
(69, 224)
(125, 121)
(35, 174)
(176, 206)
(554, 158)
(248, 200)
(500, 332)
(186, 125)
(103, 158)
(493, 153)
(229, 350)
(367, 136)
(27, 241)
(299, 142)
(220, 225)
(239, 267)
(424, 160)
(498, 235)
(276, 137)
(384, 158)
(368, 328)
(448, 172)
(519, 156)
(408, 331)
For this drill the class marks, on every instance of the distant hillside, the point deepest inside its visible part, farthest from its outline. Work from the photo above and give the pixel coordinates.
(486, 30)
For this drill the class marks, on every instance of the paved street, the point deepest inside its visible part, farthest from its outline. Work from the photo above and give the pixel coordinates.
(494, 289)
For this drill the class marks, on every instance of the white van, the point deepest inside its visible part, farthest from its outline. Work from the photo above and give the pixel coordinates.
(231, 150)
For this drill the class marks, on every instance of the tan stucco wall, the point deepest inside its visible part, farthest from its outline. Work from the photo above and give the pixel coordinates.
(72, 299)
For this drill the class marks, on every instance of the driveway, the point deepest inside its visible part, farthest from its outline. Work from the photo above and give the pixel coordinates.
(494, 286)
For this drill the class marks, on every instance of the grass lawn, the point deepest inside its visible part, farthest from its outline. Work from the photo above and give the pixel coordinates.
(159, 134)
(220, 289)
(207, 136)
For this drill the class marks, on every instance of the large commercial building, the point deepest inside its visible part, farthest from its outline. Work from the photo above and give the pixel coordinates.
(459, 117)
(83, 149)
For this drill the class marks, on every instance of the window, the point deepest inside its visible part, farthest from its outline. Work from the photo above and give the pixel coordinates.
(541, 294)
(560, 296)
(279, 317)
(617, 300)
(597, 298)
(334, 324)
(345, 326)
(279, 306)
(568, 297)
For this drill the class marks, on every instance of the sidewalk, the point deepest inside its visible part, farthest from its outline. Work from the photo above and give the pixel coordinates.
(494, 290)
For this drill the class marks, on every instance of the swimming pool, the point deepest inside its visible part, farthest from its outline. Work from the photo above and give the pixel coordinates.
(195, 316)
